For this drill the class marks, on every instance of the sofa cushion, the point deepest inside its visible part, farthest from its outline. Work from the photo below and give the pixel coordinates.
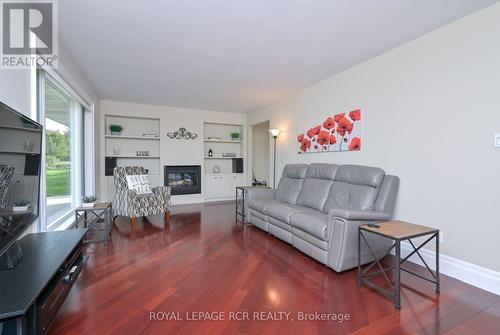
(360, 175)
(258, 204)
(282, 211)
(355, 187)
(295, 171)
(291, 183)
(314, 193)
(319, 179)
(322, 171)
(314, 223)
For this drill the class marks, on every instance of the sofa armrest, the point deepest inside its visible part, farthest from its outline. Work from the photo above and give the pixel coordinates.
(260, 192)
(350, 214)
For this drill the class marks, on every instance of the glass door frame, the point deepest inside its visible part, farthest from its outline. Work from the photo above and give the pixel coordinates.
(77, 175)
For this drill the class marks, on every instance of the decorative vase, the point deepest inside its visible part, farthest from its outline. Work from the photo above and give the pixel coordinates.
(88, 204)
(118, 133)
(216, 169)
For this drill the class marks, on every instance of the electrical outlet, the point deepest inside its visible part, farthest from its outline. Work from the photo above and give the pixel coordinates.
(441, 237)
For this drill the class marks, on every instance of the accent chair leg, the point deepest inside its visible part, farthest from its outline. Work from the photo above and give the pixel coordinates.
(167, 215)
(133, 222)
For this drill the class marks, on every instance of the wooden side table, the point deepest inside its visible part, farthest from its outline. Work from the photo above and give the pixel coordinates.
(397, 231)
(92, 217)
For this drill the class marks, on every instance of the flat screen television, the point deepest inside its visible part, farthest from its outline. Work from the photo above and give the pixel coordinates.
(20, 153)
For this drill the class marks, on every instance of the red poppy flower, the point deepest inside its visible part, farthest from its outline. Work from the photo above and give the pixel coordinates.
(355, 115)
(355, 144)
(323, 137)
(329, 123)
(344, 126)
(338, 117)
(305, 145)
(333, 139)
(300, 138)
(313, 131)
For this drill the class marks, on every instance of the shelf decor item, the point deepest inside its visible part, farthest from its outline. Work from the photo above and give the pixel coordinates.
(89, 201)
(21, 206)
(216, 169)
(116, 150)
(210, 153)
(235, 136)
(341, 132)
(182, 134)
(142, 153)
(229, 154)
(115, 129)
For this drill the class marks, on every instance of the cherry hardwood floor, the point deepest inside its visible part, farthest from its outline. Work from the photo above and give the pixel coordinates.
(203, 262)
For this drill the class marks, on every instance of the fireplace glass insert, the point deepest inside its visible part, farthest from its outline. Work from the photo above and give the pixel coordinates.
(183, 179)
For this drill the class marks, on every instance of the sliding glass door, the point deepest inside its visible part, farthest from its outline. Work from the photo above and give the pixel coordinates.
(61, 115)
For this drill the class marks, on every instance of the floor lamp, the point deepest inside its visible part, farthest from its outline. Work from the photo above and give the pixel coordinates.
(274, 133)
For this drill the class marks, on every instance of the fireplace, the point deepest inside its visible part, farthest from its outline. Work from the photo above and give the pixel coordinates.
(183, 179)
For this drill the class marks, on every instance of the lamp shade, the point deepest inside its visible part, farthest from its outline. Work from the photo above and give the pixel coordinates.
(274, 132)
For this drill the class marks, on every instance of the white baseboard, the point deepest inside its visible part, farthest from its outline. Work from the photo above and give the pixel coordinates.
(469, 273)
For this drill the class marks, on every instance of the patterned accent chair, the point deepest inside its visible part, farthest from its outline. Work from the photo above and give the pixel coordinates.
(6, 174)
(128, 203)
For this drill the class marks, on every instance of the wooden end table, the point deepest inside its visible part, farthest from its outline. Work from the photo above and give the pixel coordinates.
(397, 231)
(90, 217)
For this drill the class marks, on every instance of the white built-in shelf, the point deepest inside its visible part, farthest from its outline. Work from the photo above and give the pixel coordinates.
(122, 156)
(133, 137)
(220, 157)
(222, 141)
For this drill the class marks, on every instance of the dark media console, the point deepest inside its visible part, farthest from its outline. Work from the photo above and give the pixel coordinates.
(34, 290)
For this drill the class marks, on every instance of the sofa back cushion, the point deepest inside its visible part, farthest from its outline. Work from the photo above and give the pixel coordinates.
(319, 179)
(291, 183)
(355, 187)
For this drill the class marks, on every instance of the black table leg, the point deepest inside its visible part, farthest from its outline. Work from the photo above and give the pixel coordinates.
(397, 288)
(437, 264)
(359, 257)
(243, 206)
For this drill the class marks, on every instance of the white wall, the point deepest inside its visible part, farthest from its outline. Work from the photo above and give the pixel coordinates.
(172, 151)
(15, 90)
(430, 109)
(260, 151)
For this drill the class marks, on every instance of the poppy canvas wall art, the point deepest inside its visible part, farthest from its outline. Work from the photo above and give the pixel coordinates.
(340, 132)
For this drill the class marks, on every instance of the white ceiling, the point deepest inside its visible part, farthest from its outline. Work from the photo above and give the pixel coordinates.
(235, 55)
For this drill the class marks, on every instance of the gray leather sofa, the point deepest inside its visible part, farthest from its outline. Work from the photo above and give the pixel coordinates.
(317, 208)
